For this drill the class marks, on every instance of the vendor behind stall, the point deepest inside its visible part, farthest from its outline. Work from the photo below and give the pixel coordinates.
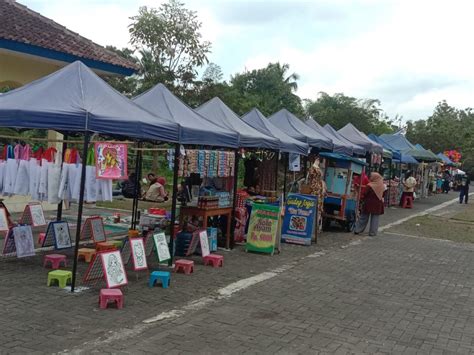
(156, 191)
(129, 186)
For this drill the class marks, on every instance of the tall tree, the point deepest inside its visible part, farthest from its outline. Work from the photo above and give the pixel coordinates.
(269, 89)
(339, 110)
(171, 36)
(126, 85)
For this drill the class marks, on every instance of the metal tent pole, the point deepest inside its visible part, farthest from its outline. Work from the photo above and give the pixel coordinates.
(276, 170)
(286, 161)
(59, 212)
(234, 200)
(80, 206)
(137, 182)
(173, 202)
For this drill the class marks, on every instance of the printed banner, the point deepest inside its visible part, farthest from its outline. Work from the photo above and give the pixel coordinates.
(299, 220)
(263, 228)
(111, 161)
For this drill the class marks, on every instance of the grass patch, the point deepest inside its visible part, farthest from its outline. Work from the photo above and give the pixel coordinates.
(438, 228)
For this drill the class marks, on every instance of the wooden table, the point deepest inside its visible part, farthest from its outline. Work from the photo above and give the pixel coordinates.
(205, 213)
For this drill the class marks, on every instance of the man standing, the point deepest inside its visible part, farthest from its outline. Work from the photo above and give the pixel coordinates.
(464, 189)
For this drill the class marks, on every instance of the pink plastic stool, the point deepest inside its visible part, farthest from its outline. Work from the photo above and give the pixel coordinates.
(186, 266)
(214, 259)
(110, 294)
(55, 260)
(41, 238)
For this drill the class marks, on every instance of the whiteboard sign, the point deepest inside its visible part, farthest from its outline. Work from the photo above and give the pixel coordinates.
(161, 246)
(204, 243)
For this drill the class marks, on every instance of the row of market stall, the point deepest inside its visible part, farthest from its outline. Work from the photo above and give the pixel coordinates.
(75, 101)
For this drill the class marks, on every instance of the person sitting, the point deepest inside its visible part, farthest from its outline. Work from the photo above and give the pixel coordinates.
(129, 187)
(156, 192)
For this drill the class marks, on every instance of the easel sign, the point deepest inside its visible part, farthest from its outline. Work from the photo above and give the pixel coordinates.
(24, 244)
(138, 254)
(3, 220)
(33, 215)
(9, 243)
(204, 242)
(58, 234)
(94, 229)
(112, 266)
(108, 265)
(161, 247)
(193, 244)
(126, 252)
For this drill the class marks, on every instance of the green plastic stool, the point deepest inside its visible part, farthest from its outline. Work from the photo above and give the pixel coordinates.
(61, 276)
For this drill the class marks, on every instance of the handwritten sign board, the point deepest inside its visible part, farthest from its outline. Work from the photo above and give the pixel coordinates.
(263, 228)
(204, 241)
(161, 247)
(299, 221)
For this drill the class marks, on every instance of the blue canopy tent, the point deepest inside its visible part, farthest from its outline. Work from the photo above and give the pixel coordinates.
(194, 129)
(446, 160)
(433, 155)
(287, 144)
(355, 136)
(75, 99)
(339, 146)
(216, 111)
(295, 128)
(394, 154)
(399, 142)
(356, 149)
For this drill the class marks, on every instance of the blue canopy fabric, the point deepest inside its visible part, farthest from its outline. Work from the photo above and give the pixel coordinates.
(339, 146)
(396, 155)
(75, 99)
(337, 156)
(294, 127)
(356, 149)
(216, 111)
(399, 141)
(194, 129)
(357, 137)
(433, 155)
(445, 159)
(287, 144)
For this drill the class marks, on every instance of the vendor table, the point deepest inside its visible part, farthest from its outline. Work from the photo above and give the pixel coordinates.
(205, 213)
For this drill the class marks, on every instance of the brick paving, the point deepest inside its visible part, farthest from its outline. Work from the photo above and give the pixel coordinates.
(385, 294)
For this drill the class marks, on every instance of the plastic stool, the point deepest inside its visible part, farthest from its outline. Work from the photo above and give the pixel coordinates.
(186, 266)
(110, 294)
(61, 276)
(163, 276)
(105, 246)
(55, 260)
(86, 253)
(214, 259)
(407, 202)
(41, 238)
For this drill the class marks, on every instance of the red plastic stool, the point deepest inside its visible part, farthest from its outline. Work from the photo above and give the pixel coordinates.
(55, 260)
(186, 266)
(110, 294)
(41, 238)
(407, 202)
(214, 259)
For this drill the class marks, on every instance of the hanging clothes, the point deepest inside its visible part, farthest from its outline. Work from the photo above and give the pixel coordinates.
(22, 182)
(11, 171)
(35, 170)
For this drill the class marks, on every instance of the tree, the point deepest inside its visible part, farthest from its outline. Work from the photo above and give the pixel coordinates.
(339, 110)
(171, 38)
(126, 85)
(269, 89)
(212, 74)
(447, 128)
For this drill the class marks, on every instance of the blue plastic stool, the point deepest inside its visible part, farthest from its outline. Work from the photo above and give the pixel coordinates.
(163, 276)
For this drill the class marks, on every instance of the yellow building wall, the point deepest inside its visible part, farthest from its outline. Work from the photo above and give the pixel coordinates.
(17, 70)
(22, 69)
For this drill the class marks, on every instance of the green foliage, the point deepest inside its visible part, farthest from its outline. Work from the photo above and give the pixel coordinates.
(125, 85)
(447, 128)
(339, 110)
(170, 36)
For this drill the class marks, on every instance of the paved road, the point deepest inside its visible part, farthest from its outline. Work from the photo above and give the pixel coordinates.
(346, 294)
(389, 294)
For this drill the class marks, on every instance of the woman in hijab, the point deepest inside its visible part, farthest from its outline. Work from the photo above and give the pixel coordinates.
(372, 205)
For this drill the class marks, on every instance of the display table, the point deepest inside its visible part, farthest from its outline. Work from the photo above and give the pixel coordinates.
(205, 213)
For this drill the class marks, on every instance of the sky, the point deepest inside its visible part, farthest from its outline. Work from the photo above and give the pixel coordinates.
(410, 54)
